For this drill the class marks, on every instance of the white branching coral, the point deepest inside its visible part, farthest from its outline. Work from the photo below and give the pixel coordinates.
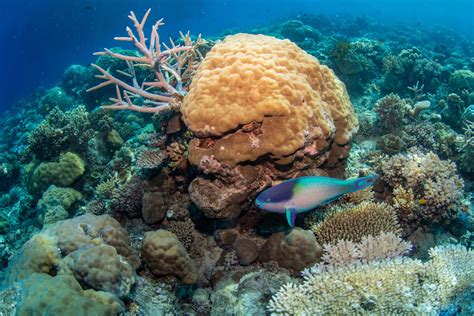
(173, 66)
(384, 287)
(383, 246)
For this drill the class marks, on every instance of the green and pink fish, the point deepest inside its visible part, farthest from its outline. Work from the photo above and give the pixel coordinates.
(303, 194)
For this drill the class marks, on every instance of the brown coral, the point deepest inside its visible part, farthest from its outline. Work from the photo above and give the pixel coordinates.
(101, 268)
(264, 96)
(354, 222)
(89, 229)
(294, 250)
(165, 255)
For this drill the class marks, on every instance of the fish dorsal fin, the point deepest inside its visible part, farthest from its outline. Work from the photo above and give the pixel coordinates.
(291, 216)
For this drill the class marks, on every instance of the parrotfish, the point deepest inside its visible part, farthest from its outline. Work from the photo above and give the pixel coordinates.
(303, 194)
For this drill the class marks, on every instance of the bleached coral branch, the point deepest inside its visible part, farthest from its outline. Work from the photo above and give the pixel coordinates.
(172, 66)
(370, 248)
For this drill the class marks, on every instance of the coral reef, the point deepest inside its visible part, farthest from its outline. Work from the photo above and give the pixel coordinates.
(292, 114)
(151, 212)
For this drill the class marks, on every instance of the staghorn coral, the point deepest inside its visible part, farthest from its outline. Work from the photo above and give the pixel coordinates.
(429, 181)
(352, 223)
(370, 248)
(172, 69)
(391, 286)
(165, 255)
(297, 104)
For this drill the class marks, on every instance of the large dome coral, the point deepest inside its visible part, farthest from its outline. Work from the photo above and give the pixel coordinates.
(256, 95)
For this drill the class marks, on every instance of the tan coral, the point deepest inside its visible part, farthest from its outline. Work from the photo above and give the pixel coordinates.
(89, 229)
(40, 254)
(354, 222)
(265, 96)
(165, 255)
(101, 268)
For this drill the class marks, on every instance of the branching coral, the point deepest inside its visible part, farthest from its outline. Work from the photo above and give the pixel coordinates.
(172, 66)
(427, 183)
(391, 111)
(354, 222)
(370, 248)
(391, 286)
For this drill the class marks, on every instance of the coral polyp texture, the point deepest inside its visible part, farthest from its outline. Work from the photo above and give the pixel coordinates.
(264, 96)
(391, 286)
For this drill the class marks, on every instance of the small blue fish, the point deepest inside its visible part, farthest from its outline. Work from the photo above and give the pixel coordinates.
(306, 193)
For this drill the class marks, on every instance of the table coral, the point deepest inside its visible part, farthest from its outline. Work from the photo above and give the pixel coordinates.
(164, 254)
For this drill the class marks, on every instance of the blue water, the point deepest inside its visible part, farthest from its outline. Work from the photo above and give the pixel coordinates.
(40, 38)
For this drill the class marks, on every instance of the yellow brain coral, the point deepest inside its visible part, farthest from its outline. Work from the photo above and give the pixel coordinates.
(292, 100)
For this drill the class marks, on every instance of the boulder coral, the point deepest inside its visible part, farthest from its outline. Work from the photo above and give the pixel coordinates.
(43, 294)
(164, 254)
(255, 98)
(95, 250)
(256, 95)
(63, 173)
(293, 250)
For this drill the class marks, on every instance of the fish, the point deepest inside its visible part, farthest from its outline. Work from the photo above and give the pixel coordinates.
(303, 194)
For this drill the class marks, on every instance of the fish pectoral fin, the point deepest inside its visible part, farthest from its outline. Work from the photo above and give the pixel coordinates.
(291, 216)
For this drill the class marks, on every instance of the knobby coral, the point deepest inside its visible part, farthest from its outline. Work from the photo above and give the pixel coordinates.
(294, 103)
